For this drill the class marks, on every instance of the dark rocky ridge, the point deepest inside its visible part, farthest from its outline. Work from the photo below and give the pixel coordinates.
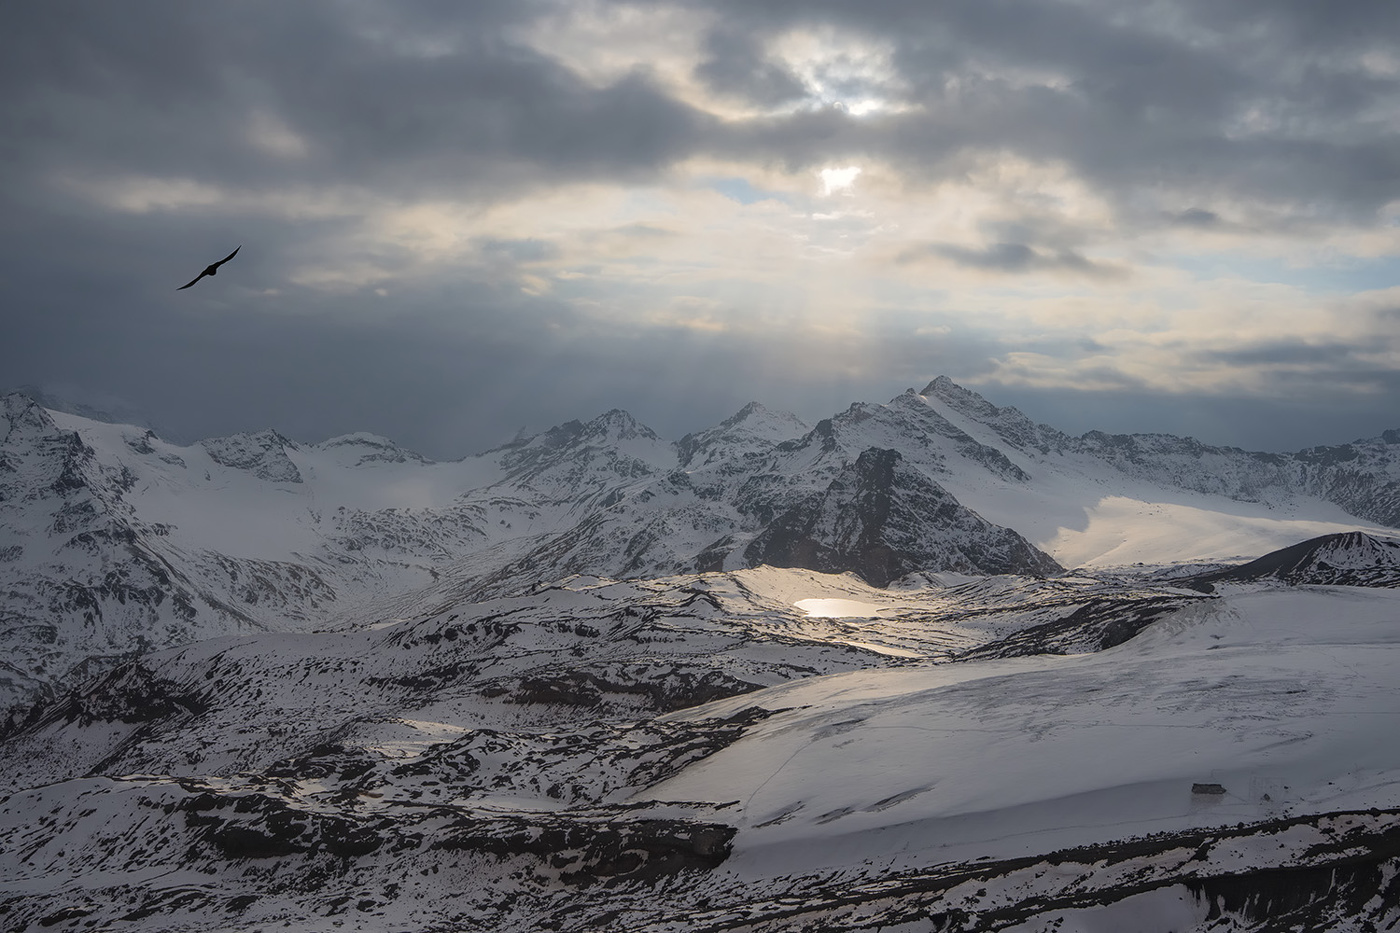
(882, 519)
(1347, 882)
(1345, 559)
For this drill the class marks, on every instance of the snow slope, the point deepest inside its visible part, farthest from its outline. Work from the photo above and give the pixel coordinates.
(1282, 697)
(772, 749)
(1101, 501)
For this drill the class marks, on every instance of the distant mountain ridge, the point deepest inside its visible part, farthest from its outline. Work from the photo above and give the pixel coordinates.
(114, 542)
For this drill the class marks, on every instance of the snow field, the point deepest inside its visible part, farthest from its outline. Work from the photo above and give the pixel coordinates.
(1286, 694)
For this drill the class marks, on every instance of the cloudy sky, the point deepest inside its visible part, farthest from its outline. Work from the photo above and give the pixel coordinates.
(458, 220)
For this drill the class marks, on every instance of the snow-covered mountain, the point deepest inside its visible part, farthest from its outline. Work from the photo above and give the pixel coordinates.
(114, 542)
(766, 677)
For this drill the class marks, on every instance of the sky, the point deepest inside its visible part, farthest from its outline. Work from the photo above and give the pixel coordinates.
(461, 221)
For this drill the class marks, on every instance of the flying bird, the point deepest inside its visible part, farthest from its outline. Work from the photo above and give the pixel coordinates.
(212, 269)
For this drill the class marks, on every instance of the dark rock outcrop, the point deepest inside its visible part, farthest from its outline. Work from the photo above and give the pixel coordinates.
(881, 519)
(1347, 559)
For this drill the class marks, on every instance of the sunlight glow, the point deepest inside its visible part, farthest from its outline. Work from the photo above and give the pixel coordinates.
(841, 69)
(838, 179)
(821, 608)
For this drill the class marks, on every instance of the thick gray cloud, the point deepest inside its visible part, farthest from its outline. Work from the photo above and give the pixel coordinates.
(736, 65)
(168, 89)
(295, 122)
(1251, 423)
(1286, 353)
(1209, 102)
(1012, 257)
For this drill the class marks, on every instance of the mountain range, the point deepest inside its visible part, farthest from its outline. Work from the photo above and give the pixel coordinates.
(114, 542)
(922, 665)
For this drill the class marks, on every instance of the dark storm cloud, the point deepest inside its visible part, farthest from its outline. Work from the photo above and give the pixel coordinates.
(737, 65)
(170, 89)
(1304, 23)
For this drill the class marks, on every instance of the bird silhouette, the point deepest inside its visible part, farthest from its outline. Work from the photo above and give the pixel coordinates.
(211, 269)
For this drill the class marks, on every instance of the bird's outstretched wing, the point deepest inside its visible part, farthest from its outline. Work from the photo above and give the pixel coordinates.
(211, 269)
(225, 259)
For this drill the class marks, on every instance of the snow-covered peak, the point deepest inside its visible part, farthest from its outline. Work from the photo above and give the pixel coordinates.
(926, 435)
(263, 454)
(356, 438)
(958, 397)
(759, 420)
(612, 428)
(1356, 550)
(23, 413)
(577, 461)
(617, 425)
(1009, 424)
(39, 455)
(112, 412)
(363, 447)
(751, 430)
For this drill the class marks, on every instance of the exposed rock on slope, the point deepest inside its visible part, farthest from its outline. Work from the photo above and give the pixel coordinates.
(85, 583)
(585, 651)
(264, 455)
(882, 519)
